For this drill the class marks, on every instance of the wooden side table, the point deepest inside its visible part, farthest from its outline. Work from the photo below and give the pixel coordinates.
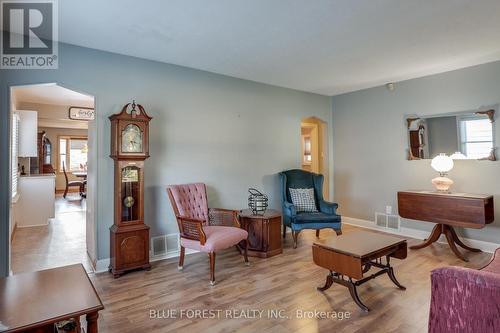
(35, 301)
(448, 210)
(264, 232)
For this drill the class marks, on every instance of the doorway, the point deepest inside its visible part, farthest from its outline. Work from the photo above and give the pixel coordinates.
(314, 149)
(52, 178)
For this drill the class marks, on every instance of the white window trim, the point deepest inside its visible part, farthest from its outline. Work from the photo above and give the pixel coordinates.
(67, 161)
(461, 135)
(14, 157)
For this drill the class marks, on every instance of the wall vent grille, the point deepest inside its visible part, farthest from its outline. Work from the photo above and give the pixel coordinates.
(164, 244)
(388, 221)
(173, 242)
(159, 245)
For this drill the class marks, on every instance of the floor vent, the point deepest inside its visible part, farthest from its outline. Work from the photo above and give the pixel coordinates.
(388, 221)
(164, 244)
(159, 245)
(173, 242)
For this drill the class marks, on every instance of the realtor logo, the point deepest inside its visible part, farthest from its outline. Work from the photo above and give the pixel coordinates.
(29, 34)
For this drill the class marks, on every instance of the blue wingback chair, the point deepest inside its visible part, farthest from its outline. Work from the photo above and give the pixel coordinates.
(326, 217)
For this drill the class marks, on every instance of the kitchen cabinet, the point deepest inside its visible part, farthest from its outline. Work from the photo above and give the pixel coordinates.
(28, 133)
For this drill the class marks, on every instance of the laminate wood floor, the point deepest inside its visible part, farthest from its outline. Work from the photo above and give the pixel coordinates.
(285, 283)
(60, 243)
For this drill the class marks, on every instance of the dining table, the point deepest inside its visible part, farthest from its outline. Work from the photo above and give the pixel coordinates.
(82, 174)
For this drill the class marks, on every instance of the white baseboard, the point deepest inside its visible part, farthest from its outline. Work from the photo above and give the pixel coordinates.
(32, 225)
(171, 254)
(102, 265)
(488, 247)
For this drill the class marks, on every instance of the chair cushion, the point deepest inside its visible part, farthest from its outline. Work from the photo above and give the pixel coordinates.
(318, 217)
(303, 199)
(218, 238)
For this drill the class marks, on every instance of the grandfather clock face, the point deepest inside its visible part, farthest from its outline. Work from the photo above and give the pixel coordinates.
(132, 139)
(130, 193)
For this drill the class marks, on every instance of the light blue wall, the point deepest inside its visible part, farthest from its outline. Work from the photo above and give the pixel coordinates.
(226, 132)
(370, 142)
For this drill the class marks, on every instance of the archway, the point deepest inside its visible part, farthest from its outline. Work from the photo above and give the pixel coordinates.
(66, 142)
(314, 149)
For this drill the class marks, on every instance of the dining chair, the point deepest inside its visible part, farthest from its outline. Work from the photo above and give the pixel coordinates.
(74, 183)
(204, 229)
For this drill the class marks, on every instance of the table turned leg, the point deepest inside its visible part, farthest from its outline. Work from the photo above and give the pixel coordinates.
(328, 283)
(451, 243)
(459, 241)
(390, 272)
(354, 294)
(451, 238)
(433, 237)
(92, 322)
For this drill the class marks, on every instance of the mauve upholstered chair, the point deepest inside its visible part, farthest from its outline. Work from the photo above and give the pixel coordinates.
(203, 229)
(466, 300)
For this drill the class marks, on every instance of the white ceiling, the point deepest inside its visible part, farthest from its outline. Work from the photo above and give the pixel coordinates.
(52, 103)
(52, 94)
(322, 46)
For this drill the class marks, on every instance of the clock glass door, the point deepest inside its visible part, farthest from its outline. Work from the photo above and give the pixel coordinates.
(130, 193)
(132, 139)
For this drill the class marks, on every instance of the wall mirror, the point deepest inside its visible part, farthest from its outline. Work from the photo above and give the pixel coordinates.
(466, 135)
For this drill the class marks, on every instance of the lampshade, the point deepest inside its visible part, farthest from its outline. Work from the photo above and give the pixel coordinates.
(442, 163)
(458, 156)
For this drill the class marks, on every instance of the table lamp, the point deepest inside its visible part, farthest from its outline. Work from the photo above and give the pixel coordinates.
(442, 164)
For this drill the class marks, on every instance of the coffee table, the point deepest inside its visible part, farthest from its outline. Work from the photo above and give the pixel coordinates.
(351, 255)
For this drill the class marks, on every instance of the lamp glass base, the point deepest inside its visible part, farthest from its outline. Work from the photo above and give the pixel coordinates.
(442, 184)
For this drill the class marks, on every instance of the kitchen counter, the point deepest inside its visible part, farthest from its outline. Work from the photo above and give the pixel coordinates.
(39, 175)
(37, 199)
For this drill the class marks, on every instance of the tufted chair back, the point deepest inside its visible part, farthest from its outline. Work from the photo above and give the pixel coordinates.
(190, 200)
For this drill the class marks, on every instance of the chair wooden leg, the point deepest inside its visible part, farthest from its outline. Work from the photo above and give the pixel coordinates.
(245, 252)
(295, 235)
(65, 192)
(317, 233)
(284, 231)
(181, 258)
(338, 232)
(211, 257)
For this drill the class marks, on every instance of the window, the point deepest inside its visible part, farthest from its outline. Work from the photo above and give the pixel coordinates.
(73, 153)
(476, 137)
(14, 152)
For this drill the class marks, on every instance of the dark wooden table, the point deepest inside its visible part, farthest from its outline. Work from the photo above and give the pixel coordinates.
(350, 256)
(80, 174)
(83, 189)
(34, 302)
(264, 232)
(448, 210)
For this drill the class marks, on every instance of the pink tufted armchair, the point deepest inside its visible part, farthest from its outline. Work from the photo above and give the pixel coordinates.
(203, 229)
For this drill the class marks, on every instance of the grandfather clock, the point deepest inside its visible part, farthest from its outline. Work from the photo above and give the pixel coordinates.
(129, 148)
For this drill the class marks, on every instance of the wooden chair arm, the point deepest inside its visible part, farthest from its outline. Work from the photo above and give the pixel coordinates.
(192, 229)
(223, 217)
